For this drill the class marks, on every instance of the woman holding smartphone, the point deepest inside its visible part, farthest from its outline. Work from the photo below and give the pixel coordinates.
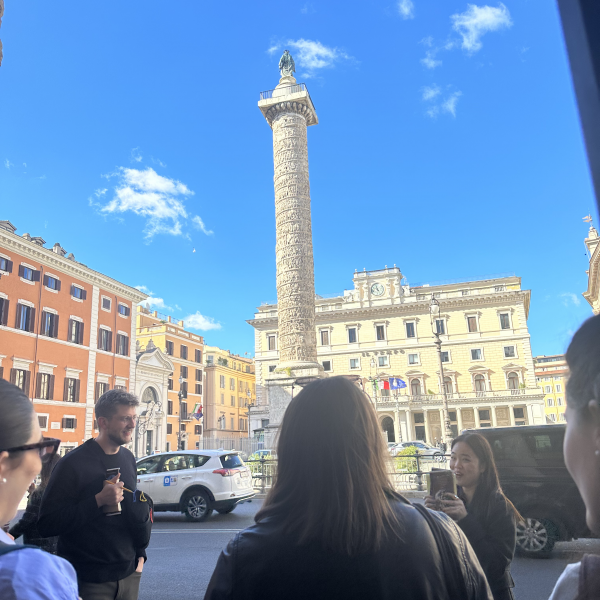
(487, 518)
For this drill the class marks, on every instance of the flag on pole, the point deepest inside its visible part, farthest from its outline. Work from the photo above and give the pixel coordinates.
(588, 219)
(197, 414)
(384, 384)
(396, 383)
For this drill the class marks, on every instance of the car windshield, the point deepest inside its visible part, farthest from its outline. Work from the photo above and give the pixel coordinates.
(231, 461)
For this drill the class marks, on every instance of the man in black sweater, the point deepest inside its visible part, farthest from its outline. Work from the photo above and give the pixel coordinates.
(108, 552)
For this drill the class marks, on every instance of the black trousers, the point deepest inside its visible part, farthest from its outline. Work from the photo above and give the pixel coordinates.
(124, 589)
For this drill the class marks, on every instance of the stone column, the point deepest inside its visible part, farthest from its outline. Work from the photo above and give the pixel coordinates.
(289, 111)
(459, 420)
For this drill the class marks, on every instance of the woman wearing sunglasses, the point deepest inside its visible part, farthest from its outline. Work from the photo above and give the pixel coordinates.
(26, 572)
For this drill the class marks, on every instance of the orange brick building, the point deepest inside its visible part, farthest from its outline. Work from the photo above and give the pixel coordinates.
(67, 333)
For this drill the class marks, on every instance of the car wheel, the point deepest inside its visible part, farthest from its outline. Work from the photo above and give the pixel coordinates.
(196, 506)
(225, 511)
(536, 537)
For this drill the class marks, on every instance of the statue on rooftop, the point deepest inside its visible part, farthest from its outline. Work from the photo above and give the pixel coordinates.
(287, 65)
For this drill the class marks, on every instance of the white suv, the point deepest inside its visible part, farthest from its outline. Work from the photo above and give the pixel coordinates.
(195, 482)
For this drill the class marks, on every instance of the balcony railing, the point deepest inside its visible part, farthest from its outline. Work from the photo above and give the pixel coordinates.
(286, 91)
(454, 397)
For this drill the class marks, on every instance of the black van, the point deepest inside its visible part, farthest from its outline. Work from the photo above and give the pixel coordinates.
(534, 477)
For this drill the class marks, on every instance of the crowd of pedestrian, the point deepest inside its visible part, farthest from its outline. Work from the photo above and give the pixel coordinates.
(332, 525)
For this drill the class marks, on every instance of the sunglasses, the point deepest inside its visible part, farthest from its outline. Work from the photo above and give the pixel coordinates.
(47, 448)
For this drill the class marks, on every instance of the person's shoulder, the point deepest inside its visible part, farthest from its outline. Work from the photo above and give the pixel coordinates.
(45, 563)
(75, 454)
(32, 572)
(567, 586)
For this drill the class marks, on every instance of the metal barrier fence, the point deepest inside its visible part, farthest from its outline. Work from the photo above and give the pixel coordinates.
(408, 474)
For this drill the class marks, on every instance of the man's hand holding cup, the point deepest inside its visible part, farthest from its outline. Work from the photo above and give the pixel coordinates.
(111, 495)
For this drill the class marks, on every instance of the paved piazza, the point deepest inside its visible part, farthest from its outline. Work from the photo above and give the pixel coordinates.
(182, 557)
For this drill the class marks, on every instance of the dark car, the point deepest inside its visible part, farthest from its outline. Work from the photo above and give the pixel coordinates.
(534, 477)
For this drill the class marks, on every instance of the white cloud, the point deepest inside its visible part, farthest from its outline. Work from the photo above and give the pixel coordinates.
(273, 49)
(311, 55)
(429, 61)
(24, 164)
(8, 164)
(427, 41)
(152, 301)
(136, 155)
(449, 105)
(433, 112)
(406, 8)
(42, 177)
(431, 92)
(158, 162)
(478, 20)
(308, 8)
(100, 192)
(198, 321)
(146, 193)
(199, 223)
(570, 297)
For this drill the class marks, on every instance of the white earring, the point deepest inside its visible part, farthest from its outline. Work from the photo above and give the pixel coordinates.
(3, 480)
(597, 453)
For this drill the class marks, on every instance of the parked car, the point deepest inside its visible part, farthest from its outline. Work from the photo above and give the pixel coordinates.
(422, 448)
(195, 482)
(534, 477)
(265, 453)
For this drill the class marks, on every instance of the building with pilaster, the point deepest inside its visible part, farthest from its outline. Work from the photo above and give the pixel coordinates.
(592, 294)
(381, 328)
(184, 350)
(551, 374)
(230, 389)
(67, 333)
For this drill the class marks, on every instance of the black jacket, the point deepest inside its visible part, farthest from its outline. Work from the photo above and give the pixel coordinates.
(262, 563)
(493, 538)
(27, 524)
(100, 548)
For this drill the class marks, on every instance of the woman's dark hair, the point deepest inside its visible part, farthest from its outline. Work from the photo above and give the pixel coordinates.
(17, 412)
(47, 469)
(489, 483)
(332, 485)
(583, 358)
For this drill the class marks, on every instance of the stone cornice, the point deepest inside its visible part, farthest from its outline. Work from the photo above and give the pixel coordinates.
(411, 308)
(51, 259)
(295, 107)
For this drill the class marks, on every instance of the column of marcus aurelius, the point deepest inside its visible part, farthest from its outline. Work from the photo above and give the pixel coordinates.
(289, 111)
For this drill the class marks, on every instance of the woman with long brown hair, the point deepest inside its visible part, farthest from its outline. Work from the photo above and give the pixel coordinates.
(482, 511)
(332, 525)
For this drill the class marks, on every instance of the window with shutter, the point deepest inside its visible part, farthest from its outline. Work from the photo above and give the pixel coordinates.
(170, 383)
(4, 311)
(198, 375)
(198, 356)
(169, 428)
(198, 388)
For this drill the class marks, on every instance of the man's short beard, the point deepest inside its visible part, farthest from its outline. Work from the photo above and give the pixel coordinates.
(117, 439)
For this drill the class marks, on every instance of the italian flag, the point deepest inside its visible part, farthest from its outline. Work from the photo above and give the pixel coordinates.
(384, 384)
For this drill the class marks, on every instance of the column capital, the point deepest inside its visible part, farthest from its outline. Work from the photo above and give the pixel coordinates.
(288, 98)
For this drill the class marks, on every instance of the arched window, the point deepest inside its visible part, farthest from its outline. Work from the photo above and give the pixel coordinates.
(415, 387)
(513, 381)
(149, 396)
(387, 424)
(479, 383)
(448, 385)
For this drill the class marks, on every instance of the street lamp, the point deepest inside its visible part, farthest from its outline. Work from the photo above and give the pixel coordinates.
(180, 394)
(434, 315)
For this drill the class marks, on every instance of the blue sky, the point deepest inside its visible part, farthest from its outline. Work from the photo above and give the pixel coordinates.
(448, 144)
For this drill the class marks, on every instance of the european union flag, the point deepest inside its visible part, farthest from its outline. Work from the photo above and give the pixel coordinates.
(396, 383)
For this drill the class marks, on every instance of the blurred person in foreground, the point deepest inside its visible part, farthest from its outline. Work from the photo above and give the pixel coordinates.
(26, 573)
(332, 526)
(581, 580)
(27, 524)
(485, 515)
(107, 551)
